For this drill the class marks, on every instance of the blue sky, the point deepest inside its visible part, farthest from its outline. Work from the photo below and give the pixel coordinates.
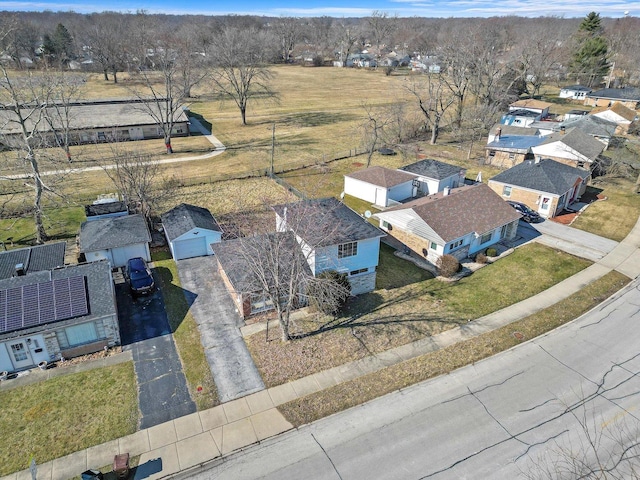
(342, 8)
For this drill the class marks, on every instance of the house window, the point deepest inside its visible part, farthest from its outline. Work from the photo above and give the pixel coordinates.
(455, 244)
(260, 303)
(358, 272)
(387, 225)
(81, 334)
(516, 121)
(348, 249)
(433, 246)
(506, 191)
(512, 156)
(485, 238)
(492, 153)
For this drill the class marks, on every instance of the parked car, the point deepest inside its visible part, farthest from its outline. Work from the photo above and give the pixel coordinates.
(528, 215)
(139, 276)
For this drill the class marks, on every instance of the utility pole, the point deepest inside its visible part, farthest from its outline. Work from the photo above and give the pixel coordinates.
(273, 145)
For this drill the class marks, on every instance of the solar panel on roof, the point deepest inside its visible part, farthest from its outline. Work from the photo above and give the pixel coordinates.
(44, 302)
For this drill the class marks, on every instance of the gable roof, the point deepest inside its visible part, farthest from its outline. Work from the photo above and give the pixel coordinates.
(326, 221)
(514, 130)
(629, 93)
(33, 259)
(576, 88)
(185, 217)
(544, 176)
(617, 108)
(381, 176)
(113, 232)
(430, 168)
(577, 140)
(591, 125)
(521, 112)
(467, 209)
(515, 143)
(531, 103)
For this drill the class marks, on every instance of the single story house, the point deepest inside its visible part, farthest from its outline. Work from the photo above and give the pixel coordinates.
(617, 113)
(520, 118)
(115, 239)
(599, 128)
(536, 106)
(100, 209)
(459, 222)
(574, 114)
(247, 289)
(572, 147)
(190, 231)
(63, 312)
(545, 186)
(380, 186)
(334, 237)
(23, 261)
(98, 121)
(434, 176)
(509, 150)
(574, 92)
(500, 129)
(606, 97)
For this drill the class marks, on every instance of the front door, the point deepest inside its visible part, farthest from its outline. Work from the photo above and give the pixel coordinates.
(545, 204)
(20, 355)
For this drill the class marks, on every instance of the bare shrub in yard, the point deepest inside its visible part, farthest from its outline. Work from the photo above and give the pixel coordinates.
(328, 292)
(448, 265)
(481, 258)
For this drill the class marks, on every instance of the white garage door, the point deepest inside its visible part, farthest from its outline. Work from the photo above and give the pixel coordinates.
(122, 254)
(193, 247)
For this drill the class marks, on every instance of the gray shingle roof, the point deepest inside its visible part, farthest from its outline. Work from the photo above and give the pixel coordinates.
(515, 143)
(113, 232)
(577, 140)
(513, 130)
(34, 259)
(104, 208)
(577, 88)
(381, 176)
(430, 168)
(467, 209)
(594, 126)
(545, 176)
(326, 221)
(185, 217)
(628, 93)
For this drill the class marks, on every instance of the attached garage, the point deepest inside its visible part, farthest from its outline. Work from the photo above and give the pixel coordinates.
(190, 231)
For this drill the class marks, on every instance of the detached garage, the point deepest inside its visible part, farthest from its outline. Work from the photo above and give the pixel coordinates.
(116, 239)
(380, 186)
(190, 231)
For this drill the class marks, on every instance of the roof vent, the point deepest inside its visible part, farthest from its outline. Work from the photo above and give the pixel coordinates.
(19, 270)
(446, 191)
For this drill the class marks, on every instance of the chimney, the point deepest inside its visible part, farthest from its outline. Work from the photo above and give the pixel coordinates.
(562, 129)
(498, 133)
(19, 270)
(446, 191)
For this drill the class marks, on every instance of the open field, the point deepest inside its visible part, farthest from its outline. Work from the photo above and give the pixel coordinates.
(48, 420)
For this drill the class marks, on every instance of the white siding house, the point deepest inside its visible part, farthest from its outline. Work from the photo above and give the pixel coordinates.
(434, 176)
(574, 92)
(190, 231)
(380, 186)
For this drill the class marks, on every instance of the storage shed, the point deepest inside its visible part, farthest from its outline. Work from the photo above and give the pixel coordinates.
(190, 231)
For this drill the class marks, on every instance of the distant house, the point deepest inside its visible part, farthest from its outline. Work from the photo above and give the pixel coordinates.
(379, 185)
(536, 106)
(606, 97)
(572, 147)
(190, 231)
(546, 186)
(459, 222)
(115, 239)
(62, 312)
(617, 113)
(99, 121)
(434, 176)
(509, 150)
(334, 237)
(574, 114)
(23, 261)
(520, 118)
(574, 92)
(500, 129)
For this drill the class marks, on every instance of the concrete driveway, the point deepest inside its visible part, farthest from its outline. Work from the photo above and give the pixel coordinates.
(162, 389)
(232, 367)
(571, 240)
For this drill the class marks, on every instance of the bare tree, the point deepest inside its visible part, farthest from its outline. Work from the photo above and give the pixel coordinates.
(345, 38)
(240, 69)
(288, 30)
(434, 99)
(381, 28)
(106, 37)
(374, 129)
(20, 41)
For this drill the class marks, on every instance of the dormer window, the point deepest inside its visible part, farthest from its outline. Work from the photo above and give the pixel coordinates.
(348, 249)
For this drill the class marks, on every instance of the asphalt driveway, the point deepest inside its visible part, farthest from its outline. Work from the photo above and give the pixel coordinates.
(232, 367)
(144, 329)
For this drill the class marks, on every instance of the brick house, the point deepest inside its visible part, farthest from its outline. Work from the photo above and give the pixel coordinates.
(606, 97)
(505, 151)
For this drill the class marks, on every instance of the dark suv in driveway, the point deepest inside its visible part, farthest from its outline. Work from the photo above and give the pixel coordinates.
(139, 276)
(528, 215)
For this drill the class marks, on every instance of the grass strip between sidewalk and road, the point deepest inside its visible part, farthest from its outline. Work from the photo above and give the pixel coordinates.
(185, 333)
(360, 390)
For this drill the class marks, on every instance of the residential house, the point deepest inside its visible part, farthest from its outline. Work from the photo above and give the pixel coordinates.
(509, 150)
(62, 312)
(115, 239)
(536, 106)
(459, 222)
(572, 147)
(98, 121)
(599, 128)
(520, 118)
(22, 261)
(574, 92)
(190, 231)
(105, 209)
(617, 113)
(500, 129)
(334, 237)
(380, 186)
(606, 97)
(546, 186)
(247, 288)
(574, 114)
(434, 176)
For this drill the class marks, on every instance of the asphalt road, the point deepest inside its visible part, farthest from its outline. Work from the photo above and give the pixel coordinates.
(502, 418)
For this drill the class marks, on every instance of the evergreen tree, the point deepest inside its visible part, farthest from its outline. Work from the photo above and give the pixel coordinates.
(590, 57)
(59, 45)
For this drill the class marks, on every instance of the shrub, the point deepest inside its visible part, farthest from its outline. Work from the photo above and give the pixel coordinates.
(481, 258)
(328, 292)
(491, 252)
(448, 265)
(318, 61)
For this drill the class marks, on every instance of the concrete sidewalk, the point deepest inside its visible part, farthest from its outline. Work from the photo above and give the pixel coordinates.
(204, 436)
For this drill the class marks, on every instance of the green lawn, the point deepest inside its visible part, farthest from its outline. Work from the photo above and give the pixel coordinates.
(50, 419)
(60, 223)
